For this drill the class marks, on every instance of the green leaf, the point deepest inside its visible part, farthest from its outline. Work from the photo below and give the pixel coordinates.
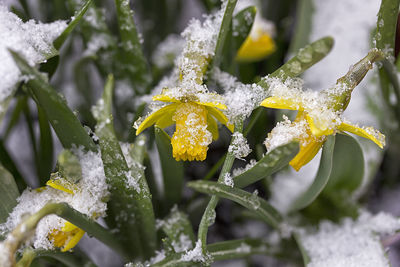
(241, 248)
(69, 259)
(347, 167)
(8, 194)
(272, 162)
(241, 25)
(143, 199)
(226, 250)
(45, 149)
(304, 254)
(130, 207)
(132, 60)
(303, 25)
(386, 25)
(321, 179)
(172, 170)
(178, 228)
(69, 166)
(8, 163)
(223, 33)
(304, 59)
(76, 18)
(67, 127)
(250, 201)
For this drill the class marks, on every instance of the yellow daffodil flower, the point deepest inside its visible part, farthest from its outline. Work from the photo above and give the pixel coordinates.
(259, 43)
(69, 235)
(195, 119)
(319, 113)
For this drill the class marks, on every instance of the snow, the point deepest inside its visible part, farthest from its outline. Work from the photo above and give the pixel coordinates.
(228, 180)
(87, 199)
(33, 40)
(239, 171)
(196, 254)
(240, 99)
(166, 52)
(184, 243)
(350, 244)
(239, 146)
(288, 185)
(285, 132)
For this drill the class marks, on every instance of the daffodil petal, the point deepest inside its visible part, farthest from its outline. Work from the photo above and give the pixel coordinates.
(220, 117)
(256, 49)
(318, 130)
(164, 98)
(212, 104)
(369, 133)
(306, 153)
(165, 120)
(74, 240)
(281, 103)
(212, 126)
(62, 184)
(155, 116)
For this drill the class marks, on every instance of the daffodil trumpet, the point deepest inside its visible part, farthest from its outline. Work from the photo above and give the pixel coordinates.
(319, 114)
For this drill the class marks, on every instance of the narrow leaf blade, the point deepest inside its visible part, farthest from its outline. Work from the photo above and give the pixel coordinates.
(172, 170)
(8, 194)
(67, 127)
(321, 179)
(269, 164)
(250, 201)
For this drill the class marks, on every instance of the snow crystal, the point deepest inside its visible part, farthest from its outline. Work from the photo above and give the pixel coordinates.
(228, 180)
(239, 147)
(166, 52)
(87, 199)
(160, 255)
(285, 132)
(184, 243)
(131, 181)
(239, 171)
(196, 254)
(241, 99)
(34, 41)
(350, 244)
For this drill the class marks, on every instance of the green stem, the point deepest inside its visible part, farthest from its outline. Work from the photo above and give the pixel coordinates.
(209, 212)
(27, 258)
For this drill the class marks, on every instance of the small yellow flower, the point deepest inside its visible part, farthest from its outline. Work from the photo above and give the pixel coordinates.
(195, 119)
(69, 235)
(319, 115)
(258, 44)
